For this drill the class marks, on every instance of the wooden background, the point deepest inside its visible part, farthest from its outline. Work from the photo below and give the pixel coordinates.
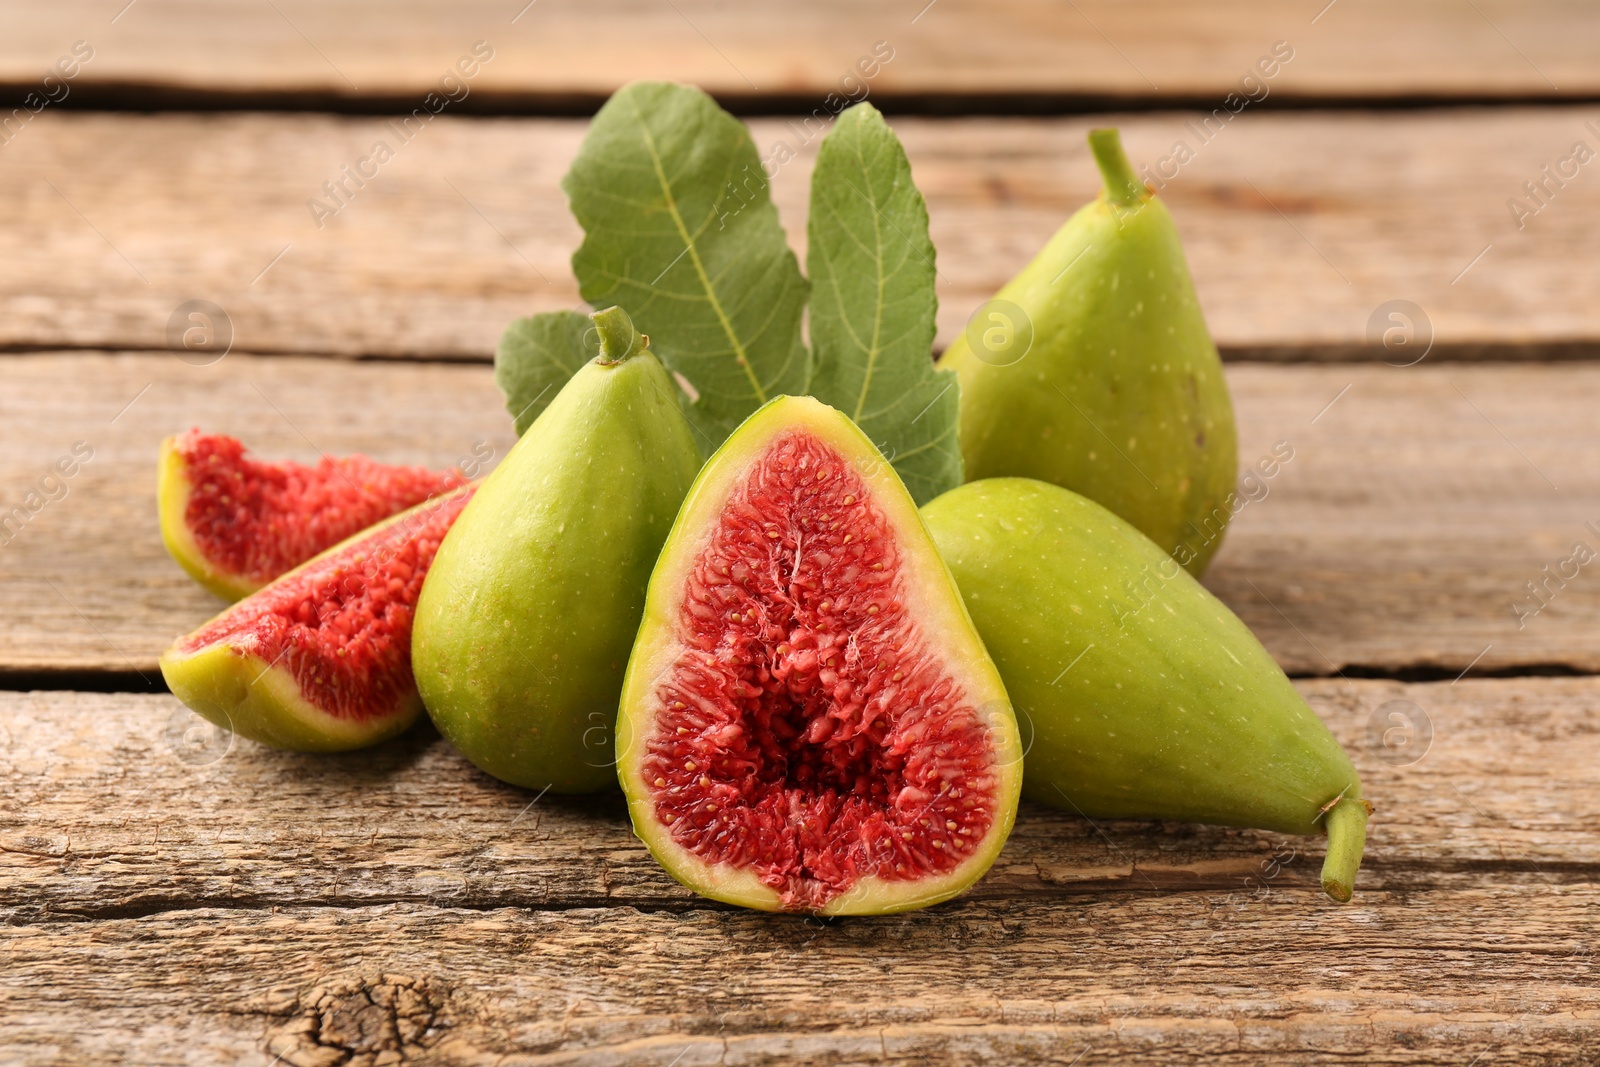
(172, 895)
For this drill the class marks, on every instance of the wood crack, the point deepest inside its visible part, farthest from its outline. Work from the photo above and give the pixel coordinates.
(1000, 893)
(114, 681)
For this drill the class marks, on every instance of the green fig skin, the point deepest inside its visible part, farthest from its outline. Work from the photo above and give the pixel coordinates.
(528, 614)
(1139, 694)
(1120, 396)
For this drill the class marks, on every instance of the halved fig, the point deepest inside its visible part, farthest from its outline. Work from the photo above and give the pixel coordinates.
(320, 660)
(809, 721)
(235, 522)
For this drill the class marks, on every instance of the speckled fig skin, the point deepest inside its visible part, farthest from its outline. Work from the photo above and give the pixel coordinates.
(1140, 695)
(1120, 395)
(525, 621)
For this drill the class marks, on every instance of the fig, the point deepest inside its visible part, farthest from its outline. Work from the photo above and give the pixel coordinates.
(320, 659)
(1140, 695)
(1093, 369)
(526, 619)
(810, 722)
(235, 522)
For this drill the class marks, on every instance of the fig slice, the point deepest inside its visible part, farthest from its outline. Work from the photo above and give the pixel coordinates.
(235, 522)
(320, 659)
(809, 721)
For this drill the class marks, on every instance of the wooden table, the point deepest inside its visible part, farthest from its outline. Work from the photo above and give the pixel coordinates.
(175, 896)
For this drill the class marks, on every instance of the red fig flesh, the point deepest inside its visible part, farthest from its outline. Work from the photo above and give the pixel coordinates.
(809, 721)
(235, 522)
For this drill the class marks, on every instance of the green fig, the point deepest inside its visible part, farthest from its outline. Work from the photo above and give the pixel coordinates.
(810, 722)
(1093, 369)
(525, 621)
(1140, 695)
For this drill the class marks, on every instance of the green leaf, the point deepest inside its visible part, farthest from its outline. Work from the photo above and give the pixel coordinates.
(537, 355)
(681, 232)
(873, 303)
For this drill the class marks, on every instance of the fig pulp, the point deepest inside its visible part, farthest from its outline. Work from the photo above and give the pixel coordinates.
(320, 660)
(809, 721)
(525, 622)
(1093, 369)
(235, 522)
(1140, 695)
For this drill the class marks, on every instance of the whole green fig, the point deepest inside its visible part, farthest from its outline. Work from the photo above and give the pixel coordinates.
(1140, 695)
(1093, 369)
(527, 616)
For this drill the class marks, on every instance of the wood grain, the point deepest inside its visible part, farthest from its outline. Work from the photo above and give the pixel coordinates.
(552, 53)
(1299, 226)
(172, 895)
(121, 805)
(330, 910)
(1418, 504)
(1414, 979)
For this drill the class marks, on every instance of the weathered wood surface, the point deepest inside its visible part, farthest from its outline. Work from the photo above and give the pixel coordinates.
(556, 52)
(173, 895)
(249, 904)
(1399, 536)
(1394, 979)
(120, 805)
(1298, 226)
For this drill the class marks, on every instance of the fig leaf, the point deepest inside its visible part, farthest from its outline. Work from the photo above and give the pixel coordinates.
(537, 355)
(681, 232)
(871, 263)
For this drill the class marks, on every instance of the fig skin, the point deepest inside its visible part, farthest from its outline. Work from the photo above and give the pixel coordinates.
(1120, 396)
(262, 702)
(527, 616)
(1140, 695)
(936, 605)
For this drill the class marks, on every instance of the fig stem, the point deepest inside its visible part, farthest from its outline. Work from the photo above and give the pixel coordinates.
(1347, 837)
(618, 338)
(1123, 187)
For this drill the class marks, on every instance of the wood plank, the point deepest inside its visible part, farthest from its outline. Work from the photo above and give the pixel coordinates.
(1299, 226)
(1414, 979)
(464, 934)
(302, 51)
(1401, 534)
(1429, 499)
(116, 806)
